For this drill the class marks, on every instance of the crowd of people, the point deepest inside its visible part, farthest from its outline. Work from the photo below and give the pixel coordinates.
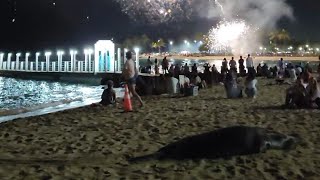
(304, 92)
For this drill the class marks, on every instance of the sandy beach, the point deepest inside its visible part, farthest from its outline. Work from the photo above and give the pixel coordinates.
(94, 142)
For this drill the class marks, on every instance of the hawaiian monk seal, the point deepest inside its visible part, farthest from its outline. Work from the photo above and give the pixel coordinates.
(225, 142)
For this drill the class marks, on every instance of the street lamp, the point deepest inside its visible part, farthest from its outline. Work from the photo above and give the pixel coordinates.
(60, 54)
(171, 43)
(47, 54)
(90, 52)
(37, 61)
(17, 61)
(136, 50)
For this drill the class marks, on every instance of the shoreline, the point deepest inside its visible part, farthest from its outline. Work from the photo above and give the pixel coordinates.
(255, 58)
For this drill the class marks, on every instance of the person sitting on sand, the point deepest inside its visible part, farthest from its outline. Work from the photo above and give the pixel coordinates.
(292, 72)
(108, 96)
(233, 90)
(173, 84)
(304, 94)
(250, 84)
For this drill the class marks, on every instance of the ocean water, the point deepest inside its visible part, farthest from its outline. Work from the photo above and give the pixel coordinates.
(23, 98)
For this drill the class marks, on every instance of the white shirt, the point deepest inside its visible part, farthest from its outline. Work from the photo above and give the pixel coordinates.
(173, 83)
(249, 62)
(252, 84)
(129, 69)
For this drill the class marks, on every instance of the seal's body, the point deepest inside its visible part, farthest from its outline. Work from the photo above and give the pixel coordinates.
(237, 140)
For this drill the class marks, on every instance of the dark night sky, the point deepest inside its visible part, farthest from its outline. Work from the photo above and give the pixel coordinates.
(39, 24)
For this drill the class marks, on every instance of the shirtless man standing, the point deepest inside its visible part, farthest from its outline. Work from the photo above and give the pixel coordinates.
(130, 73)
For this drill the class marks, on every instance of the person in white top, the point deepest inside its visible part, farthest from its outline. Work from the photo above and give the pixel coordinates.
(173, 84)
(249, 63)
(250, 84)
(130, 74)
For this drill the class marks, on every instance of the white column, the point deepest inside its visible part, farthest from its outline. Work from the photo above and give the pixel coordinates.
(73, 60)
(66, 66)
(79, 66)
(21, 66)
(13, 65)
(37, 61)
(31, 66)
(47, 54)
(60, 55)
(27, 61)
(124, 55)
(5, 65)
(1, 60)
(42, 66)
(90, 51)
(9, 61)
(137, 58)
(54, 66)
(18, 61)
(119, 59)
(85, 60)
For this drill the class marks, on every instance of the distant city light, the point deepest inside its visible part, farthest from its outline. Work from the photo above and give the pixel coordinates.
(171, 42)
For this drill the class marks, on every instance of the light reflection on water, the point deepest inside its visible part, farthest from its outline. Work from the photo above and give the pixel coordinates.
(24, 98)
(16, 93)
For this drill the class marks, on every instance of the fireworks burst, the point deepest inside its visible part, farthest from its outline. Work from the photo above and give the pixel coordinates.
(156, 11)
(228, 35)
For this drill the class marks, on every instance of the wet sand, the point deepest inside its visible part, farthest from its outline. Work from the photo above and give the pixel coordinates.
(94, 142)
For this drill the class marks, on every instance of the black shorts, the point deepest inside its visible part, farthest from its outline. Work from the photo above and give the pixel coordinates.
(132, 80)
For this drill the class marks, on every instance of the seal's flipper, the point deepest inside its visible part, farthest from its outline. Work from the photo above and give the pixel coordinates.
(156, 155)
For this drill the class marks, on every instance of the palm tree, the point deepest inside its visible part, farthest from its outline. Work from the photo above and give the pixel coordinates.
(159, 44)
(279, 37)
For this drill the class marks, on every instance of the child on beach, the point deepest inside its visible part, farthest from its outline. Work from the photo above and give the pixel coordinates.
(108, 96)
(250, 84)
(233, 90)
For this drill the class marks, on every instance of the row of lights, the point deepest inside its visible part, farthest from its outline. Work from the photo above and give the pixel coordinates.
(187, 42)
(49, 53)
(291, 48)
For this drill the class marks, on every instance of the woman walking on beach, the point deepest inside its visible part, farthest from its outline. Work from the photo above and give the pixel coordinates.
(130, 74)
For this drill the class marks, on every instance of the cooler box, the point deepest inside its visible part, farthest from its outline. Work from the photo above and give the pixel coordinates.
(192, 91)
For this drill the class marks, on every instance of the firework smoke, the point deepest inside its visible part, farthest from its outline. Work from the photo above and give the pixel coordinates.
(243, 22)
(157, 11)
